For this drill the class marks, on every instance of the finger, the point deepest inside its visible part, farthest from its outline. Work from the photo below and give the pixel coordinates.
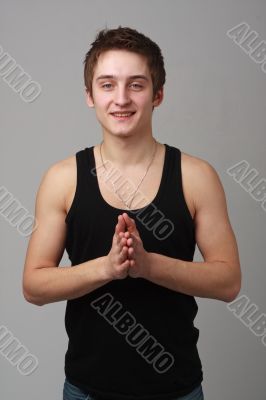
(121, 226)
(121, 235)
(124, 251)
(132, 263)
(126, 264)
(122, 244)
(130, 241)
(130, 252)
(130, 223)
(126, 235)
(117, 235)
(134, 237)
(123, 254)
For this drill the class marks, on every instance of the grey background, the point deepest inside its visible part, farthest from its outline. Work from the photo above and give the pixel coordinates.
(214, 108)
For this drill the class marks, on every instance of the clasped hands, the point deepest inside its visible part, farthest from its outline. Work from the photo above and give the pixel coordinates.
(127, 256)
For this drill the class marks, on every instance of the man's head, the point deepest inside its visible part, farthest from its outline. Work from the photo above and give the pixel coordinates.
(124, 38)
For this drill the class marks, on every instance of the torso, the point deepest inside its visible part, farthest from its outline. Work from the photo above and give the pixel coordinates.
(148, 188)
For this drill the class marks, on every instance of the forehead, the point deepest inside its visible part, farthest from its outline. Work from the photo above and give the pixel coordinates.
(121, 63)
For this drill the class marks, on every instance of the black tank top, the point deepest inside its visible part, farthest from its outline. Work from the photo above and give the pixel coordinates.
(131, 339)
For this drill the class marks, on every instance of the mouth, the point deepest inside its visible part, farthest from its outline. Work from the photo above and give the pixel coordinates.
(123, 116)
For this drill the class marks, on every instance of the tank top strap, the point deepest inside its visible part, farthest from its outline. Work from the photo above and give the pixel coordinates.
(175, 167)
(82, 187)
(173, 178)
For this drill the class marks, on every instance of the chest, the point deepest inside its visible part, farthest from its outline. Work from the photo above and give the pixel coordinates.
(136, 190)
(121, 188)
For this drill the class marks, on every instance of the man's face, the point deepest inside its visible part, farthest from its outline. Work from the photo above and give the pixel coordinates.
(122, 93)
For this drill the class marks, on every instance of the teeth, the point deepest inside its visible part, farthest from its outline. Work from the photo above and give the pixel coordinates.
(122, 114)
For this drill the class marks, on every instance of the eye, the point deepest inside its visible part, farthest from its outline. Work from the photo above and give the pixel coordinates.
(136, 86)
(107, 85)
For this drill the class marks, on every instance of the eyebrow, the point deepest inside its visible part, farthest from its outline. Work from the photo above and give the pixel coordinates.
(115, 77)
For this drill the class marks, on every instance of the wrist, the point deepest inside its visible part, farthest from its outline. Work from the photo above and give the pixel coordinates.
(103, 269)
(146, 270)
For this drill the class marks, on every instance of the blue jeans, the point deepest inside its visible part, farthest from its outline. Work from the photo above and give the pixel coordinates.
(72, 392)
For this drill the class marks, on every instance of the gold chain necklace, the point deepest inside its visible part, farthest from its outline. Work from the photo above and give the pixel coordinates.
(116, 191)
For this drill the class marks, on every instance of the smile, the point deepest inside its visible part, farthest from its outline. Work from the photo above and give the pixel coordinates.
(122, 115)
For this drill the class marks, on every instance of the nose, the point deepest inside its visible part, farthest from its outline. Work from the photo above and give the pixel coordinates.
(122, 96)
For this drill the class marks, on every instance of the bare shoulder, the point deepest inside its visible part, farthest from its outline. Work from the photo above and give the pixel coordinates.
(59, 180)
(200, 180)
(195, 165)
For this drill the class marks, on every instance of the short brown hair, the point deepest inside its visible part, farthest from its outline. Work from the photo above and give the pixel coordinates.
(126, 39)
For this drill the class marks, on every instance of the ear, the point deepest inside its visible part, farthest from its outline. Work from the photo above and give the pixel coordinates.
(158, 98)
(89, 98)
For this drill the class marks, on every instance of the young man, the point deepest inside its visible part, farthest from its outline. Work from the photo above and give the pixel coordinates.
(129, 213)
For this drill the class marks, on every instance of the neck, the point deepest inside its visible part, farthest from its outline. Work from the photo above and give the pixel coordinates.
(126, 153)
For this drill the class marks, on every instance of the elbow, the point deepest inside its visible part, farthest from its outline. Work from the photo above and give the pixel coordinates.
(31, 299)
(233, 286)
(231, 295)
(232, 292)
(29, 291)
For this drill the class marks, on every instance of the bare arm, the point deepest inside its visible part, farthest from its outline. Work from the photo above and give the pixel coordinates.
(43, 281)
(219, 276)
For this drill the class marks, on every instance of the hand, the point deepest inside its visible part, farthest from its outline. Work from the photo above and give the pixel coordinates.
(117, 261)
(137, 255)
